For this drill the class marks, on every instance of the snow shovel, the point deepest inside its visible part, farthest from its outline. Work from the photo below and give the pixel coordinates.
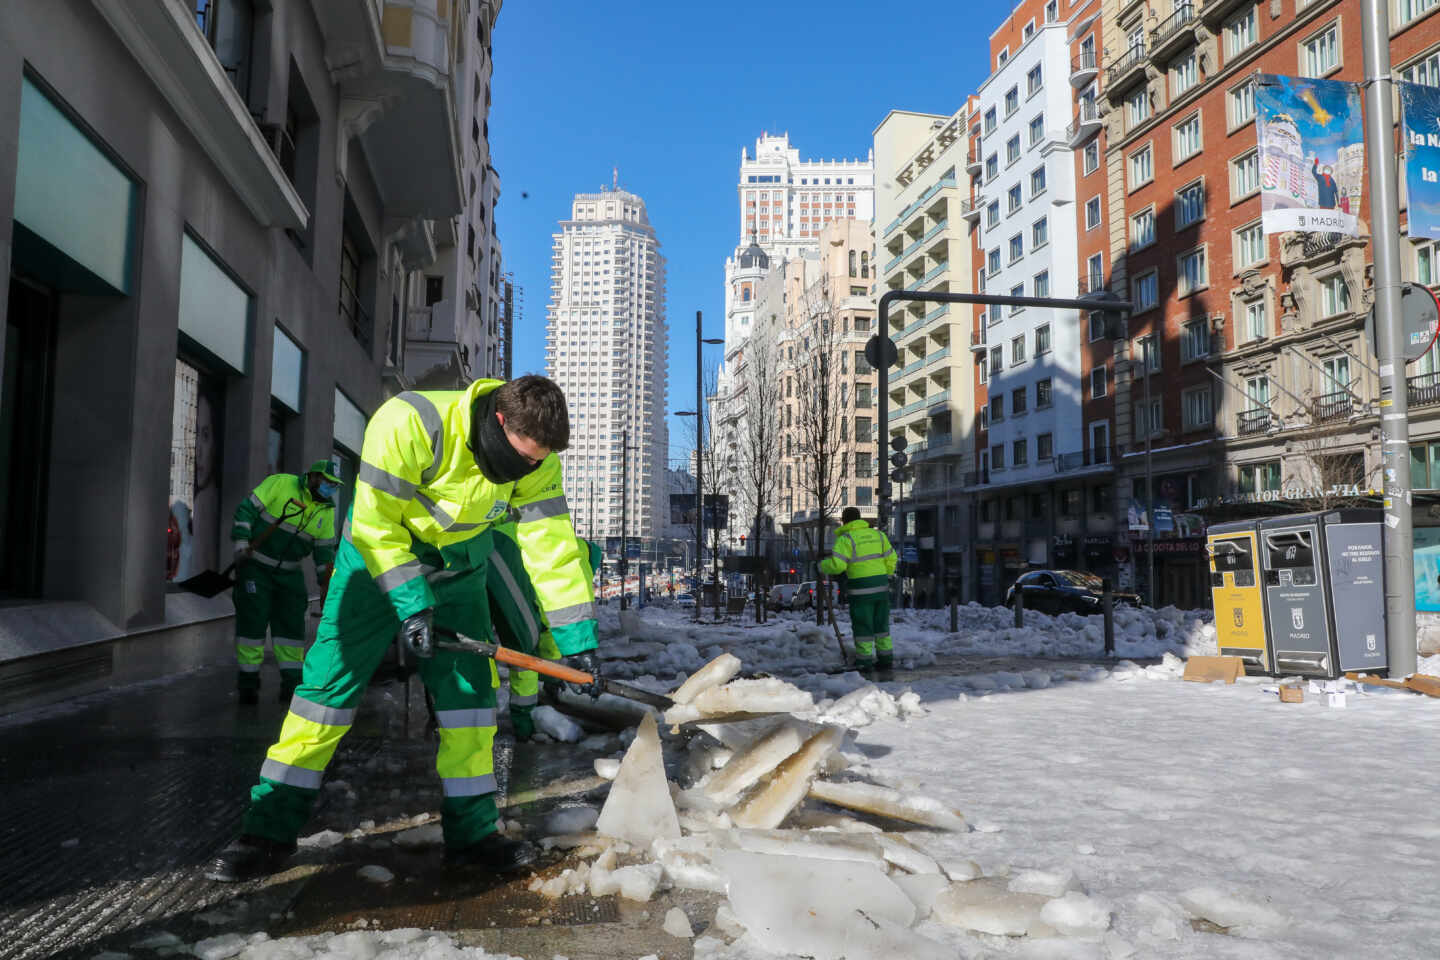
(208, 583)
(549, 668)
(830, 610)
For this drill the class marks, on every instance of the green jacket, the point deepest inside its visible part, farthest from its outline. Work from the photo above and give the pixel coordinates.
(864, 555)
(308, 527)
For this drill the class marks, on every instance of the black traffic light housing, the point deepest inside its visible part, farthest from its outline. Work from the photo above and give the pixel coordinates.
(898, 459)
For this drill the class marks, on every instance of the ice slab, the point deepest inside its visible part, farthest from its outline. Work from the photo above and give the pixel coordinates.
(922, 890)
(902, 854)
(861, 707)
(325, 838)
(639, 807)
(719, 671)
(786, 786)
(607, 710)
(376, 873)
(638, 882)
(1076, 915)
(748, 766)
(886, 802)
(220, 948)
(555, 724)
(1243, 916)
(824, 820)
(961, 869)
(677, 924)
(987, 906)
(1044, 882)
(607, 767)
(823, 909)
(853, 847)
(570, 820)
(741, 698)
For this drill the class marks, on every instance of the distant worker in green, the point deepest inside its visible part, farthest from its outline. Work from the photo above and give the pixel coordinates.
(866, 558)
(287, 518)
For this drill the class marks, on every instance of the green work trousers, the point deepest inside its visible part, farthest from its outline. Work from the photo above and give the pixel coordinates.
(358, 627)
(870, 619)
(515, 612)
(266, 597)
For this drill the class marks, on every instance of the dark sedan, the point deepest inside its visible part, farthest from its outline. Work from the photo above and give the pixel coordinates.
(1063, 591)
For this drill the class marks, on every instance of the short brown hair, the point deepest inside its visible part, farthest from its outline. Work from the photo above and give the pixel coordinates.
(534, 407)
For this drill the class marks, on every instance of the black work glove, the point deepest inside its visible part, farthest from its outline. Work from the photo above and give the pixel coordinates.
(417, 636)
(553, 687)
(589, 663)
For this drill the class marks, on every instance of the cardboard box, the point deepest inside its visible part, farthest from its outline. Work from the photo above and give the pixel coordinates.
(1210, 669)
(1292, 693)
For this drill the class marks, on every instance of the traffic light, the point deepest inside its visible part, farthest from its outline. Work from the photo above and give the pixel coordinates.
(898, 459)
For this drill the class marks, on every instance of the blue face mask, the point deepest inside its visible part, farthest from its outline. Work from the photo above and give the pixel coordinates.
(327, 489)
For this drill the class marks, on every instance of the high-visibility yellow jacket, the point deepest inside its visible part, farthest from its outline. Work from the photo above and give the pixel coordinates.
(864, 555)
(421, 507)
(308, 527)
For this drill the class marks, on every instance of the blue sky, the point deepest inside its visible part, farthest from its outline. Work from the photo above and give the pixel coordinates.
(669, 92)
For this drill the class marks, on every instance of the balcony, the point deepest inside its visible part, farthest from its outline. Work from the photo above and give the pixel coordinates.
(1332, 407)
(974, 478)
(1086, 124)
(937, 404)
(935, 271)
(936, 356)
(971, 209)
(974, 162)
(936, 187)
(1249, 423)
(1214, 12)
(1127, 68)
(1423, 390)
(1084, 68)
(977, 341)
(1094, 457)
(1091, 287)
(1173, 33)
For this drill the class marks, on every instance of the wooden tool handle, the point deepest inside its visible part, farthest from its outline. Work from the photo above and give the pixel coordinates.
(550, 668)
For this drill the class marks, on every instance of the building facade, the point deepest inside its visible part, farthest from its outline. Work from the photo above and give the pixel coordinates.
(607, 347)
(219, 222)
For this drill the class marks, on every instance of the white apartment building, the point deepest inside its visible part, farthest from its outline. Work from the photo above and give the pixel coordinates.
(606, 346)
(1027, 247)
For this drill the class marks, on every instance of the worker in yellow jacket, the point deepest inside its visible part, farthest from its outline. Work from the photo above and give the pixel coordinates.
(866, 559)
(437, 471)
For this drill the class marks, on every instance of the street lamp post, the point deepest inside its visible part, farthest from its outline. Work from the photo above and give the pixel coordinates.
(699, 414)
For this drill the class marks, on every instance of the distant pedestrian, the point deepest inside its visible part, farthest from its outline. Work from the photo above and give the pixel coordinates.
(867, 560)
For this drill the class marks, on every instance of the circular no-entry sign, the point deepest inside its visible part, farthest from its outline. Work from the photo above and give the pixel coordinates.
(1419, 319)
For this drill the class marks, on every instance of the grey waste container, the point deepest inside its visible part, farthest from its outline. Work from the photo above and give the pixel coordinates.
(1324, 591)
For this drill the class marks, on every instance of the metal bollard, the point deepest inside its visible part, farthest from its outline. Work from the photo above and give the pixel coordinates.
(1107, 610)
(954, 612)
(1019, 606)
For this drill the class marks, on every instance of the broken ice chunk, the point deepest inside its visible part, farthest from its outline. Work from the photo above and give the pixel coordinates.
(220, 948)
(986, 906)
(639, 807)
(786, 786)
(885, 802)
(1243, 916)
(555, 724)
(607, 767)
(764, 755)
(715, 673)
(325, 838)
(570, 820)
(899, 852)
(961, 869)
(922, 889)
(376, 873)
(1044, 882)
(1076, 915)
(861, 707)
(637, 882)
(742, 698)
(857, 848)
(677, 924)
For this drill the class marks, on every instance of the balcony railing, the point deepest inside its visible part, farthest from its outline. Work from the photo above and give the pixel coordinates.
(1128, 61)
(1171, 29)
(1091, 286)
(937, 313)
(936, 356)
(1094, 457)
(974, 162)
(971, 209)
(1087, 121)
(1083, 68)
(1250, 422)
(936, 187)
(1423, 389)
(1332, 406)
(977, 340)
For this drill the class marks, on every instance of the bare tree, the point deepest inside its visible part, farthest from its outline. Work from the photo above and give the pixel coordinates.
(1329, 472)
(822, 415)
(759, 466)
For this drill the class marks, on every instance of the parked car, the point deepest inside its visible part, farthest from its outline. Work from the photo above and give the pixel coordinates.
(805, 595)
(1063, 591)
(685, 601)
(781, 594)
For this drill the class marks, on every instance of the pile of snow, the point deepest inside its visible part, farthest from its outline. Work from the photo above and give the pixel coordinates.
(407, 944)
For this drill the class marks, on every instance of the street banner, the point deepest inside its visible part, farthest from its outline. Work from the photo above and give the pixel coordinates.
(682, 509)
(1312, 154)
(1421, 106)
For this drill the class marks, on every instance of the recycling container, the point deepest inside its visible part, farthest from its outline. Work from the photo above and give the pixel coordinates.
(1235, 591)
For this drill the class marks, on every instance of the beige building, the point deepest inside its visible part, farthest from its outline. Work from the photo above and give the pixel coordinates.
(923, 222)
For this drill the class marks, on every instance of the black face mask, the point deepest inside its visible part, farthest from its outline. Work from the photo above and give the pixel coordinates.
(497, 459)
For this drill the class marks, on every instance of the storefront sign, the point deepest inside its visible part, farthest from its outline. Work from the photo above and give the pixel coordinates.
(1278, 496)
(1064, 551)
(1187, 545)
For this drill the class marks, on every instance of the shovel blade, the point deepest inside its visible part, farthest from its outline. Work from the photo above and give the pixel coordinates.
(207, 584)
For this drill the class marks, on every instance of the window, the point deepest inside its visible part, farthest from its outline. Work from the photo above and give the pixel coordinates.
(997, 408)
(1407, 10)
(1040, 233)
(1241, 104)
(1013, 199)
(1183, 74)
(990, 120)
(1142, 229)
(1029, 30)
(1189, 204)
(1426, 264)
(1012, 100)
(997, 361)
(1012, 149)
(997, 457)
(1100, 453)
(982, 371)
(1043, 394)
(1092, 213)
(1044, 447)
(985, 417)
(1017, 291)
(1260, 477)
(1195, 340)
(1019, 401)
(1095, 272)
(1147, 352)
(1337, 374)
(1195, 409)
(992, 168)
(993, 261)
(1187, 138)
(1149, 419)
(1032, 81)
(1427, 71)
(1097, 326)
(1255, 325)
(1041, 287)
(1142, 167)
(1249, 246)
(1017, 247)
(1020, 452)
(1052, 10)
(1017, 350)
(1037, 129)
(1193, 274)
(1335, 294)
(1099, 382)
(1258, 390)
(1091, 157)
(992, 214)
(1321, 53)
(1242, 32)
(1137, 107)
(1244, 176)
(1037, 181)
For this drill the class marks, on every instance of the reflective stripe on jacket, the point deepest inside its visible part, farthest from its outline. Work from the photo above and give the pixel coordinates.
(864, 555)
(422, 505)
(309, 525)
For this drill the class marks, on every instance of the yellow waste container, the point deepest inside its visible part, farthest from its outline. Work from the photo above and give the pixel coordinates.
(1236, 592)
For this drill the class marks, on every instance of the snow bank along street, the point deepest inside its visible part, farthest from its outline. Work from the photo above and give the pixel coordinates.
(1067, 811)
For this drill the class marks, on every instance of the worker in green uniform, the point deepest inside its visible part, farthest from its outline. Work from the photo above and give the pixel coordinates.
(287, 518)
(866, 558)
(437, 471)
(518, 622)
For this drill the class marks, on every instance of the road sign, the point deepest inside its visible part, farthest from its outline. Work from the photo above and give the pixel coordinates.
(1419, 316)
(910, 554)
(872, 352)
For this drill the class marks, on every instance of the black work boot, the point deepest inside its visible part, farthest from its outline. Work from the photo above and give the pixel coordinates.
(287, 687)
(495, 853)
(248, 695)
(248, 857)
